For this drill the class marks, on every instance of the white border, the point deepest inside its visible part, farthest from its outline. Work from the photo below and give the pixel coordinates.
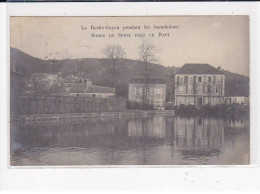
(179, 177)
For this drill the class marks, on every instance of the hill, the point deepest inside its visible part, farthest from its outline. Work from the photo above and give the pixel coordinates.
(98, 70)
(236, 85)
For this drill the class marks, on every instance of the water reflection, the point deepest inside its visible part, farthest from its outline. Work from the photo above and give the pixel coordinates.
(199, 136)
(152, 140)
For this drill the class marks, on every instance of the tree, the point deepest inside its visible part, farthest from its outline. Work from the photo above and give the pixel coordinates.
(173, 85)
(209, 92)
(42, 83)
(195, 89)
(147, 52)
(113, 53)
(219, 90)
(36, 83)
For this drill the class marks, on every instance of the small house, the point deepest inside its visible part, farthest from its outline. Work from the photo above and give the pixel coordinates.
(82, 88)
(148, 90)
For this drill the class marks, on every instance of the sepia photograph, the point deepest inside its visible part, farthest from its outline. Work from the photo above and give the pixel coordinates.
(129, 90)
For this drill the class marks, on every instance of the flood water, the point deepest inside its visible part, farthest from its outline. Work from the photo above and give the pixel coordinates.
(138, 141)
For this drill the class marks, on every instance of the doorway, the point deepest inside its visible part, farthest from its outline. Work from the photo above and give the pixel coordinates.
(199, 101)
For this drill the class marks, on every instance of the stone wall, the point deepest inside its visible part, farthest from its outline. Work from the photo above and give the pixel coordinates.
(31, 105)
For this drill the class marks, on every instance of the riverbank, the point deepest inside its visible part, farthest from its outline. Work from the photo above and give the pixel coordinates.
(222, 110)
(83, 116)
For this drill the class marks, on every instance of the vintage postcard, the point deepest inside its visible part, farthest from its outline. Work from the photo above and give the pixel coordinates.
(154, 90)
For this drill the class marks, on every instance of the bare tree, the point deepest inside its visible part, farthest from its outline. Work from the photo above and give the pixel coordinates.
(113, 53)
(172, 88)
(219, 90)
(36, 84)
(195, 89)
(209, 92)
(147, 52)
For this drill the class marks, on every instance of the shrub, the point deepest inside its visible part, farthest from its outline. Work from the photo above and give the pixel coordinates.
(138, 106)
(187, 109)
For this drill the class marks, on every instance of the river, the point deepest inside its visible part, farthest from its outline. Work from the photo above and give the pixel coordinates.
(154, 140)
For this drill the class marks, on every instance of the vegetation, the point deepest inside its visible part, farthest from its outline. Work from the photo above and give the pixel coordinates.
(147, 52)
(207, 110)
(138, 106)
(113, 53)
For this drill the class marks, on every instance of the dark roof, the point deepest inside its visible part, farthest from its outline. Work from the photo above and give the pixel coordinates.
(150, 80)
(76, 87)
(197, 68)
(99, 89)
(55, 88)
(79, 88)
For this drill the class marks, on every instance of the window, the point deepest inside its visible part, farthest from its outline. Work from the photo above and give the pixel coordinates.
(180, 89)
(68, 88)
(204, 79)
(148, 91)
(213, 90)
(186, 79)
(199, 79)
(204, 90)
(199, 101)
(200, 121)
(181, 80)
(214, 79)
(186, 89)
(177, 90)
(93, 95)
(194, 79)
(209, 89)
(209, 79)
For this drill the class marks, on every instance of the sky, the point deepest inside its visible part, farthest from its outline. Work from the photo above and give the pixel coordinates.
(216, 40)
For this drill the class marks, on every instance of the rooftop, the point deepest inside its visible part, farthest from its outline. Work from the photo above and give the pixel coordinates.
(150, 80)
(79, 88)
(197, 68)
(99, 89)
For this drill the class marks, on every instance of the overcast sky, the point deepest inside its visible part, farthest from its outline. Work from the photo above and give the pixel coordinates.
(220, 41)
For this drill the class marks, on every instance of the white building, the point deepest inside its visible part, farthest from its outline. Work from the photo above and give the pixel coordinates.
(155, 91)
(199, 84)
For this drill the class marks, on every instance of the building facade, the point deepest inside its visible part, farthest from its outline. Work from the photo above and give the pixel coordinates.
(238, 100)
(148, 90)
(199, 84)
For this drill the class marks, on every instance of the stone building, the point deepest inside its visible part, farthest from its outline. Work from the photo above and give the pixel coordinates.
(155, 91)
(199, 84)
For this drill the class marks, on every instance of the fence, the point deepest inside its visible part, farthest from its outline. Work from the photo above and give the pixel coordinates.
(31, 105)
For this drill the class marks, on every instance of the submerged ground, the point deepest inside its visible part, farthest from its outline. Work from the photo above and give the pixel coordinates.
(155, 140)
